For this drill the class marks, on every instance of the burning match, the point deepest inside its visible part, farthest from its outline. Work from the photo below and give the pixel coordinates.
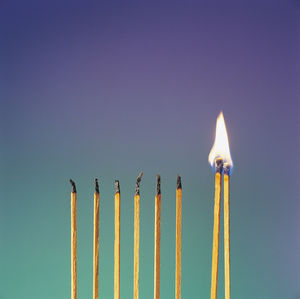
(178, 238)
(73, 241)
(96, 243)
(136, 237)
(220, 160)
(117, 242)
(157, 239)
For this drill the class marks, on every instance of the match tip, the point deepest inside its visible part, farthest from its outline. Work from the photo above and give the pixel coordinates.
(137, 185)
(158, 190)
(179, 186)
(227, 169)
(219, 165)
(73, 186)
(96, 186)
(117, 186)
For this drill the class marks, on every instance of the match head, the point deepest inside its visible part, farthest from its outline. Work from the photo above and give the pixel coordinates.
(96, 186)
(219, 165)
(158, 190)
(117, 186)
(137, 185)
(179, 186)
(219, 155)
(73, 186)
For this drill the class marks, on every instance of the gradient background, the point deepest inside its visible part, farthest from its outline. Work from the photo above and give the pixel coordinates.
(108, 89)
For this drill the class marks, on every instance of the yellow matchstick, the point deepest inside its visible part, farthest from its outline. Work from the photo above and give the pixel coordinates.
(178, 238)
(220, 160)
(73, 241)
(117, 242)
(215, 252)
(96, 243)
(157, 239)
(136, 237)
(226, 233)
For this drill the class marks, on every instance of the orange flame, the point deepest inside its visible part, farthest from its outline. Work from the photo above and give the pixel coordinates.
(220, 149)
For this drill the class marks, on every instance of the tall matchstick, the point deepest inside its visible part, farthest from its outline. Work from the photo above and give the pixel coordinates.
(96, 243)
(226, 232)
(73, 241)
(136, 237)
(221, 162)
(178, 238)
(157, 239)
(117, 242)
(215, 252)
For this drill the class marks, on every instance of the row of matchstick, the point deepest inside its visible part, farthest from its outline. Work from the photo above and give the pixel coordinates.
(117, 240)
(219, 170)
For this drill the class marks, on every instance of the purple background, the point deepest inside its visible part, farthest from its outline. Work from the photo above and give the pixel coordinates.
(109, 88)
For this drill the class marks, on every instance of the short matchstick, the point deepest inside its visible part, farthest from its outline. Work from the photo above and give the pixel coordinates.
(73, 241)
(117, 242)
(216, 232)
(96, 243)
(157, 239)
(226, 232)
(178, 238)
(136, 237)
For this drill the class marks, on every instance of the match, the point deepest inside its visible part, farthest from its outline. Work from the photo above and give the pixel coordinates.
(117, 242)
(157, 239)
(178, 239)
(73, 241)
(136, 237)
(96, 243)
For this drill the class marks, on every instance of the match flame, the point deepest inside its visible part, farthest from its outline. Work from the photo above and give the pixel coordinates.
(220, 149)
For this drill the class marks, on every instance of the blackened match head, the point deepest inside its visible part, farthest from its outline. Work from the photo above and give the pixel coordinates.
(117, 186)
(137, 185)
(179, 186)
(158, 190)
(96, 186)
(219, 165)
(227, 169)
(73, 186)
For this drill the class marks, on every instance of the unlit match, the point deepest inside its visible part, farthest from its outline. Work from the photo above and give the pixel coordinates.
(136, 237)
(178, 239)
(96, 242)
(73, 241)
(117, 242)
(157, 239)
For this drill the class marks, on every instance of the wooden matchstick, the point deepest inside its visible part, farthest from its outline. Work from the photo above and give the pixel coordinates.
(157, 239)
(117, 242)
(73, 241)
(136, 237)
(96, 243)
(226, 234)
(178, 238)
(215, 252)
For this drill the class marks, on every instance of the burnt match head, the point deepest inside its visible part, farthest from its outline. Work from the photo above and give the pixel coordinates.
(219, 165)
(227, 169)
(158, 190)
(179, 186)
(96, 186)
(137, 185)
(73, 186)
(117, 186)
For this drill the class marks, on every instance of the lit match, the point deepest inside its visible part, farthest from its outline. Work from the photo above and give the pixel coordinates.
(220, 160)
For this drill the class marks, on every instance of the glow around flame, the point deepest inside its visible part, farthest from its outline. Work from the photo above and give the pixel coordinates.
(220, 149)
